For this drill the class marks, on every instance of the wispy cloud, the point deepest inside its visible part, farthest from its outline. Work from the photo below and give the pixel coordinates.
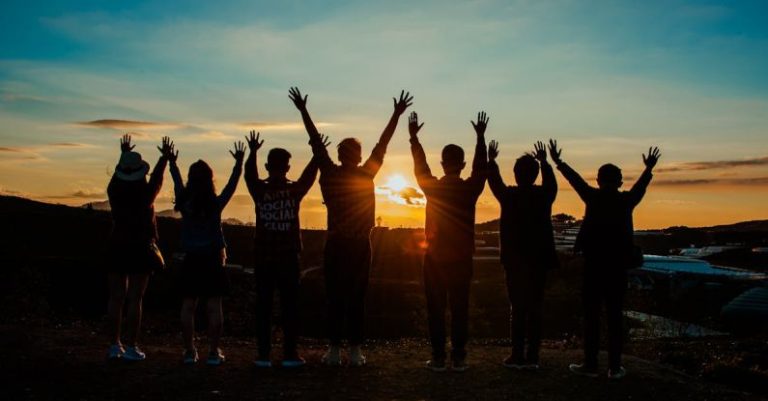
(128, 124)
(716, 165)
(408, 196)
(753, 181)
(279, 125)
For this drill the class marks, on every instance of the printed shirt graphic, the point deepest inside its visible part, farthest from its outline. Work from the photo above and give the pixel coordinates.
(278, 229)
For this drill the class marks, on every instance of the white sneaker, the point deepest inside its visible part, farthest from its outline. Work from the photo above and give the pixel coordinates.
(437, 365)
(190, 357)
(582, 370)
(333, 356)
(618, 374)
(134, 354)
(262, 363)
(115, 351)
(215, 358)
(356, 357)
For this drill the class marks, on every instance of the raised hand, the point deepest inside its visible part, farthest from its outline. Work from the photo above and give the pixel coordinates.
(239, 152)
(540, 151)
(554, 152)
(166, 147)
(324, 140)
(295, 95)
(405, 100)
(413, 124)
(652, 158)
(482, 123)
(254, 144)
(125, 143)
(493, 150)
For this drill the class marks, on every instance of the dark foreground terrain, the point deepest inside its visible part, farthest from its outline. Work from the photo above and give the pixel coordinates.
(66, 362)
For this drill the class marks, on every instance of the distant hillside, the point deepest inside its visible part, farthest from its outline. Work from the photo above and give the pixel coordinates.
(744, 226)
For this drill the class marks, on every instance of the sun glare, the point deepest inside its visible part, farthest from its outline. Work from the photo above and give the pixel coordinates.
(396, 183)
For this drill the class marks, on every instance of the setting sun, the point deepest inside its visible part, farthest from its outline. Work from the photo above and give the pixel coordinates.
(396, 182)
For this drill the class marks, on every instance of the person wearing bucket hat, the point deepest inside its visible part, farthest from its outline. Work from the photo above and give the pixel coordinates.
(202, 239)
(133, 252)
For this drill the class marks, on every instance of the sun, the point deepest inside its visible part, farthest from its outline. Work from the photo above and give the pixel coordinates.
(396, 183)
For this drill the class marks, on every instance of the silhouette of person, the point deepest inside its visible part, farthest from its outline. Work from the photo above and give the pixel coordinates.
(133, 243)
(527, 246)
(277, 246)
(202, 239)
(348, 192)
(450, 238)
(606, 240)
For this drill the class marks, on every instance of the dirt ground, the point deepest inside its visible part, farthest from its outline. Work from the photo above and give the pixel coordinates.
(66, 362)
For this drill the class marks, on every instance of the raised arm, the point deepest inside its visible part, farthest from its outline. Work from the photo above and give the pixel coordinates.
(252, 181)
(420, 167)
(301, 104)
(234, 178)
(579, 185)
(498, 187)
(374, 162)
(480, 161)
(156, 177)
(548, 181)
(638, 190)
(178, 183)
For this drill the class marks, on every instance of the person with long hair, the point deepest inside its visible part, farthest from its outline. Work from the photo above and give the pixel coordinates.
(133, 248)
(202, 240)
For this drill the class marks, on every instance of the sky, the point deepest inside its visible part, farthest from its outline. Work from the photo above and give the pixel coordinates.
(607, 79)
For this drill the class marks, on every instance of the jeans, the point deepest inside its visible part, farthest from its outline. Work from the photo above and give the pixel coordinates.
(446, 284)
(603, 285)
(347, 267)
(525, 288)
(281, 274)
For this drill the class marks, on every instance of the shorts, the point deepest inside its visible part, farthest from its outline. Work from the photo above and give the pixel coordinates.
(203, 275)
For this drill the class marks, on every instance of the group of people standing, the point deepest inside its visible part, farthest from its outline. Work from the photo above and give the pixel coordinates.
(526, 241)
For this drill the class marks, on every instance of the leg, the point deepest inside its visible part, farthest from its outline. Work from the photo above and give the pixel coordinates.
(591, 296)
(535, 305)
(118, 287)
(359, 271)
(137, 285)
(515, 288)
(614, 304)
(333, 256)
(436, 295)
(265, 296)
(289, 293)
(188, 307)
(459, 301)
(215, 322)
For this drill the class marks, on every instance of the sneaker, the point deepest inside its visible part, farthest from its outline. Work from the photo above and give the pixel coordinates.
(134, 354)
(190, 357)
(531, 366)
(295, 362)
(333, 356)
(356, 357)
(617, 374)
(262, 363)
(459, 365)
(437, 365)
(582, 370)
(513, 363)
(215, 358)
(115, 351)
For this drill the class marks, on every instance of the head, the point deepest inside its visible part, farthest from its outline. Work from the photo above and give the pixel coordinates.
(200, 193)
(131, 167)
(609, 177)
(526, 170)
(350, 152)
(453, 159)
(278, 161)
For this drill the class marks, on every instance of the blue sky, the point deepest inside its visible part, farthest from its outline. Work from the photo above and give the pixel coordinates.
(607, 79)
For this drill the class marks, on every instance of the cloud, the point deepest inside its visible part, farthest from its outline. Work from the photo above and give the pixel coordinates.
(12, 149)
(408, 196)
(209, 136)
(127, 124)
(279, 125)
(716, 165)
(81, 194)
